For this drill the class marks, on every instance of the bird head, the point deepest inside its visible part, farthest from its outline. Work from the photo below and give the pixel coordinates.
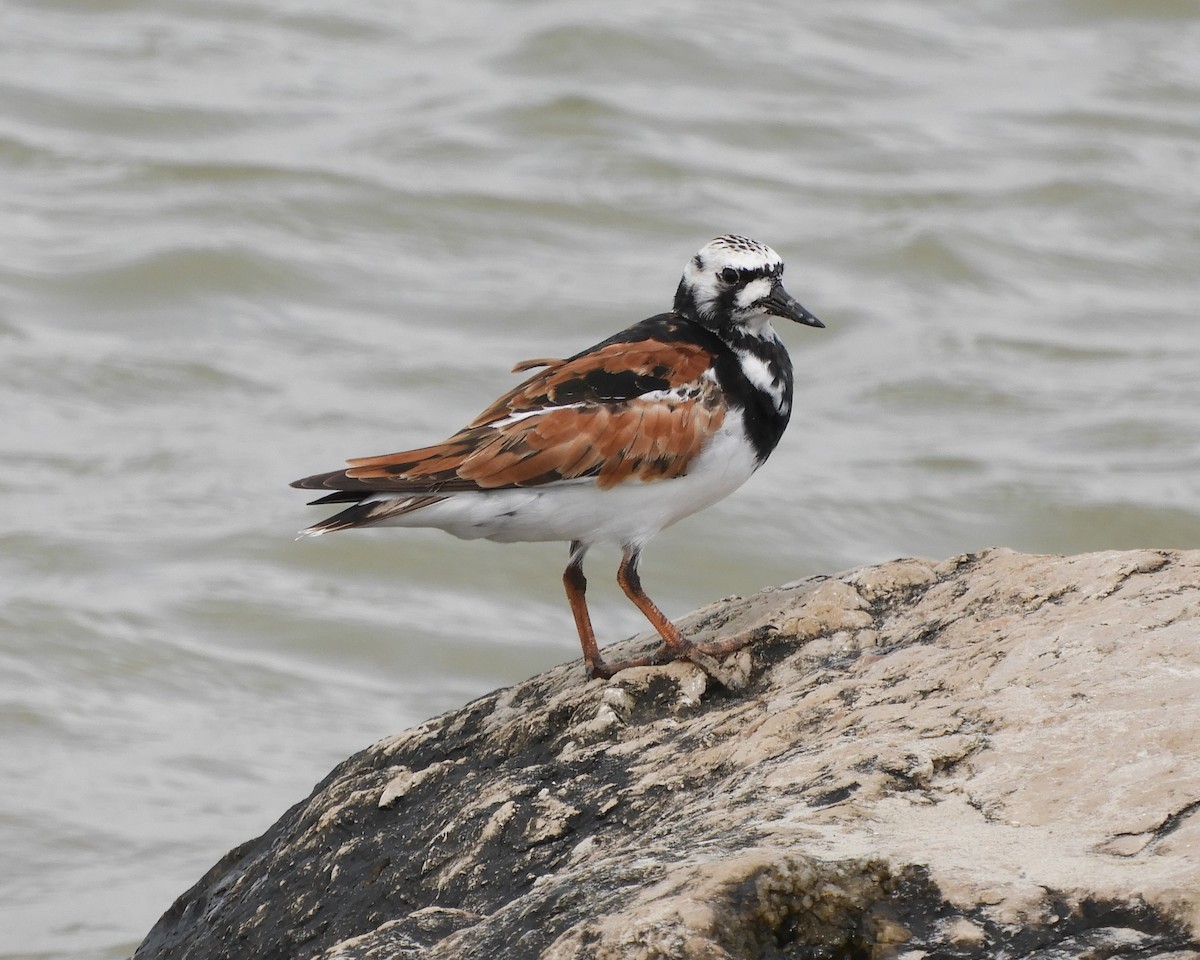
(734, 283)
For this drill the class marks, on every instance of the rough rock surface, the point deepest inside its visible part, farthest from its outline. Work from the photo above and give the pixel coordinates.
(994, 756)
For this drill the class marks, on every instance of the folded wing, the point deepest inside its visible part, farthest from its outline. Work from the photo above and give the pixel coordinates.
(626, 409)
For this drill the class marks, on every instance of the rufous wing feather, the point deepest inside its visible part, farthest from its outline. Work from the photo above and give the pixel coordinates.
(640, 410)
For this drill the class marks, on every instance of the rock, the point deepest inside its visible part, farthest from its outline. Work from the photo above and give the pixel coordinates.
(994, 756)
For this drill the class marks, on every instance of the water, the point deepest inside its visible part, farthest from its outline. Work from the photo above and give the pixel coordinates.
(242, 240)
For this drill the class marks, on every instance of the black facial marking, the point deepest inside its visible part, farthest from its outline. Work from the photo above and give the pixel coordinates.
(746, 274)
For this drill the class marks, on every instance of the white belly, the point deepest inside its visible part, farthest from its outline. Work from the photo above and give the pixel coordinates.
(628, 513)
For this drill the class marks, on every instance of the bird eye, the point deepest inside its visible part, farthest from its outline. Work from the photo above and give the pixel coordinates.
(729, 275)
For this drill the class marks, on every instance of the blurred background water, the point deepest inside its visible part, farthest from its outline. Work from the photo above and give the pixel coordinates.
(241, 240)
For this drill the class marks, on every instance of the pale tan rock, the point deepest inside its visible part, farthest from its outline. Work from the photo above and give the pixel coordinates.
(995, 755)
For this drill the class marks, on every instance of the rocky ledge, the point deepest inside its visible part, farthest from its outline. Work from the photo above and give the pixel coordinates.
(994, 756)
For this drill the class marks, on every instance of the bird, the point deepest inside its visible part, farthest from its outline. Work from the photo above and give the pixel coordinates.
(610, 445)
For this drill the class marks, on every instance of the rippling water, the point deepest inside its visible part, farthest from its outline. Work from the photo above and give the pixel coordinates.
(241, 240)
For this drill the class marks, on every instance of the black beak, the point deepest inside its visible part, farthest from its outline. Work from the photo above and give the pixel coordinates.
(783, 304)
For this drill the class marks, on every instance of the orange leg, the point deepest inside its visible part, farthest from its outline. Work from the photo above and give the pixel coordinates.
(576, 586)
(675, 645)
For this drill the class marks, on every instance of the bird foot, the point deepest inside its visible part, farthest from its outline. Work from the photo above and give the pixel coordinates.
(723, 648)
(703, 655)
(605, 670)
(732, 680)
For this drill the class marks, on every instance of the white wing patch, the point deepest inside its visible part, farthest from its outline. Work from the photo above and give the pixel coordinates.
(678, 394)
(526, 414)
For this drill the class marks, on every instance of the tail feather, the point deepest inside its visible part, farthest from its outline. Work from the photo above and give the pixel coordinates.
(366, 512)
(341, 496)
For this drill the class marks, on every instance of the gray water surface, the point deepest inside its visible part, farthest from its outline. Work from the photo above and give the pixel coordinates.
(241, 240)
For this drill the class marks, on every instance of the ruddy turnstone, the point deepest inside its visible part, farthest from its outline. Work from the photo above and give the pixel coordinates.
(610, 445)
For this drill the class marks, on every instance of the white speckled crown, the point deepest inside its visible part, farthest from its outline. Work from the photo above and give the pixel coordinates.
(741, 253)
